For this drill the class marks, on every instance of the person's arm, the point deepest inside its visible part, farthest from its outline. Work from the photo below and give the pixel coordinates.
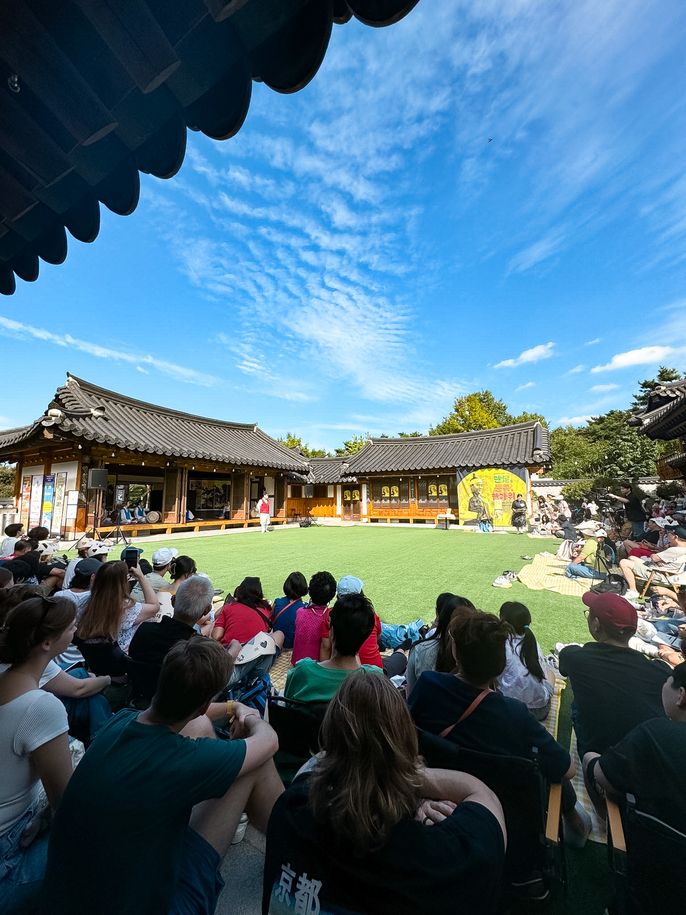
(618, 498)
(458, 787)
(150, 604)
(261, 742)
(67, 687)
(219, 627)
(52, 764)
(325, 649)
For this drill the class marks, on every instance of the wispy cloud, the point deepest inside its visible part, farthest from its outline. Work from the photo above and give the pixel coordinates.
(593, 342)
(535, 354)
(536, 253)
(525, 387)
(644, 355)
(574, 420)
(173, 370)
(603, 388)
(577, 370)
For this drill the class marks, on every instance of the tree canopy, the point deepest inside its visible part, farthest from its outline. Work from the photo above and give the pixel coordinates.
(481, 410)
(293, 441)
(353, 445)
(8, 475)
(665, 375)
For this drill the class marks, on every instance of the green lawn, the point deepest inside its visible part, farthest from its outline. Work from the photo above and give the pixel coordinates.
(403, 569)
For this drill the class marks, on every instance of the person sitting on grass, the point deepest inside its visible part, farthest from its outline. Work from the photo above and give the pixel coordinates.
(161, 564)
(286, 608)
(526, 677)
(244, 615)
(352, 620)
(393, 665)
(358, 833)
(672, 559)
(181, 569)
(33, 744)
(466, 708)
(583, 564)
(436, 651)
(307, 638)
(649, 761)
(12, 536)
(615, 688)
(651, 541)
(163, 797)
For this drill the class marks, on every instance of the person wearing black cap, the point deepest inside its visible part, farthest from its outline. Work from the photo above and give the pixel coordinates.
(615, 688)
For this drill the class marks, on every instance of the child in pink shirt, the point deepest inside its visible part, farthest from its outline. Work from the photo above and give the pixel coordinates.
(309, 619)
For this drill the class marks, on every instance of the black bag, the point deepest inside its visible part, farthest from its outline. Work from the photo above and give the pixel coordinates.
(613, 584)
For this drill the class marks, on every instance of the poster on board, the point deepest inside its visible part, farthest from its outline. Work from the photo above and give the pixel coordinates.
(492, 491)
(60, 502)
(36, 502)
(48, 502)
(72, 504)
(25, 501)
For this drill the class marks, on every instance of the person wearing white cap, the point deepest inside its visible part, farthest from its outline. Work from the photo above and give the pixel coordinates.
(161, 564)
(583, 565)
(82, 548)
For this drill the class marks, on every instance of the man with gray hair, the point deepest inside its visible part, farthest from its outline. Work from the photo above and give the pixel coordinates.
(192, 607)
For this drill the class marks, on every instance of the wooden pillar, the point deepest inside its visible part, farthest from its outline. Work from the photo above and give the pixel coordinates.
(246, 495)
(183, 493)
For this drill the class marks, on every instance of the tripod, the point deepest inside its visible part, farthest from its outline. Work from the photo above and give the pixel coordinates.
(93, 533)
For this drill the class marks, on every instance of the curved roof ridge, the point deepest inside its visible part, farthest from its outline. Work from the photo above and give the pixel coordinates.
(88, 386)
(529, 424)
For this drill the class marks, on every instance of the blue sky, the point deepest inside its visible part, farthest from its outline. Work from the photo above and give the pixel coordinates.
(360, 253)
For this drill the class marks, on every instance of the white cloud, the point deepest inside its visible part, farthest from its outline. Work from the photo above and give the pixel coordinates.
(644, 355)
(535, 354)
(593, 342)
(525, 387)
(171, 369)
(577, 370)
(536, 253)
(573, 420)
(603, 388)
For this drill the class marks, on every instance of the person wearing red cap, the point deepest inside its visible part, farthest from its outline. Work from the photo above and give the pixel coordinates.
(615, 688)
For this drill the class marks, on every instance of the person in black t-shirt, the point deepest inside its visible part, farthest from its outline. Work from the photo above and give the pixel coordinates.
(355, 835)
(152, 641)
(631, 499)
(615, 688)
(649, 762)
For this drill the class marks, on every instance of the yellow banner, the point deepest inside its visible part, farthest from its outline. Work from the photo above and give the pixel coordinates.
(488, 494)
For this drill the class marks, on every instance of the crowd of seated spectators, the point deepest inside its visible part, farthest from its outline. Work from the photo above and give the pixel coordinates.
(366, 826)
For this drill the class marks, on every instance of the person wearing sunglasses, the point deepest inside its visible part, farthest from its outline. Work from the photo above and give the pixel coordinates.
(34, 746)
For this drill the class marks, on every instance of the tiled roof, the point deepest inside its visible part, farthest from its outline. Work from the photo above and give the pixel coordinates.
(328, 470)
(665, 415)
(118, 421)
(94, 93)
(522, 444)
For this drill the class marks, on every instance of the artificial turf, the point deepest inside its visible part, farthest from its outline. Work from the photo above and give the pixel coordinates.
(403, 568)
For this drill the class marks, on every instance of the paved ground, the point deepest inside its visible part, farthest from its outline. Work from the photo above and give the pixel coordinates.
(242, 872)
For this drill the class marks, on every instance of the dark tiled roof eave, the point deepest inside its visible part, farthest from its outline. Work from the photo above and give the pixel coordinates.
(133, 425)
(522, 444)
(124, 84)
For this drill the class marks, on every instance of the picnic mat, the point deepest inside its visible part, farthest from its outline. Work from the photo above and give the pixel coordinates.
(280, 668)
(546, 573)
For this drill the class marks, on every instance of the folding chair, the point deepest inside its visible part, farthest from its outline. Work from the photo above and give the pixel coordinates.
(297, 725)
(667, 584)
(646, 858)
(532, 809)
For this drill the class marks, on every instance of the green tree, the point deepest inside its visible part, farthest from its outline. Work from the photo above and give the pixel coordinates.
(8, 476)
(353, 445)
(409, 434)
(624, 454)
(480, 410)
(573, 455)
(578, 490)
(527, 417)
(293, 441)
(665, 375)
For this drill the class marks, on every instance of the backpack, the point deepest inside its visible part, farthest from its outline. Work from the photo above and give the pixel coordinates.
(252, 691)
(613, 584)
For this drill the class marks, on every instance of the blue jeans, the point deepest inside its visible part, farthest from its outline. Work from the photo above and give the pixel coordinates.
(638, 529)
(86, 716)
(485, 527)
(21, 869)
(579, 570)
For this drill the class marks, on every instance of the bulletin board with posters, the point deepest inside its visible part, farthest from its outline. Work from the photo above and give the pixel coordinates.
(494, 488)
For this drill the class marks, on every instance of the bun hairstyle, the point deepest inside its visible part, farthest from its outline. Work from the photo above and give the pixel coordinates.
(182, 566)
(32, 622)
(479, 646)
(519, 617)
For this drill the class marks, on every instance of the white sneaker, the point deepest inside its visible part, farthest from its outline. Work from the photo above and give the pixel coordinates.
(631, 594)
(240, 829)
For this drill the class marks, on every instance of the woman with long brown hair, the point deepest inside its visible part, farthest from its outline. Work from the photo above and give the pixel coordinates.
(435, 652)
(357, 831)
(111, 612)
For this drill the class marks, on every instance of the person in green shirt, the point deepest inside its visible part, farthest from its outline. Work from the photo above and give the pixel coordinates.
(151, 809)
(352, 620)
(584, 562)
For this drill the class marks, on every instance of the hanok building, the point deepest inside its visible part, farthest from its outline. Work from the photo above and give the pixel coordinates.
(94, 450)
(664, 419)
(418, 478)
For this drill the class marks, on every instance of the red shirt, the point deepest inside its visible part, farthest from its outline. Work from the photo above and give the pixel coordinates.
(264, 506)
(241, 622)
(369, 651)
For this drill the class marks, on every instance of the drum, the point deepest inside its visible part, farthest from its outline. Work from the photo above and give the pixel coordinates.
(153, 517)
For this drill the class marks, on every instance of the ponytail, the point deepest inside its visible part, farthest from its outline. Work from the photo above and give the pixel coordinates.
(519, 617)
(31, 622)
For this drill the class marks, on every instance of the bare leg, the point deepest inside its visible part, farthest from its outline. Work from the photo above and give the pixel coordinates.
(216, 819)
(628, 572)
